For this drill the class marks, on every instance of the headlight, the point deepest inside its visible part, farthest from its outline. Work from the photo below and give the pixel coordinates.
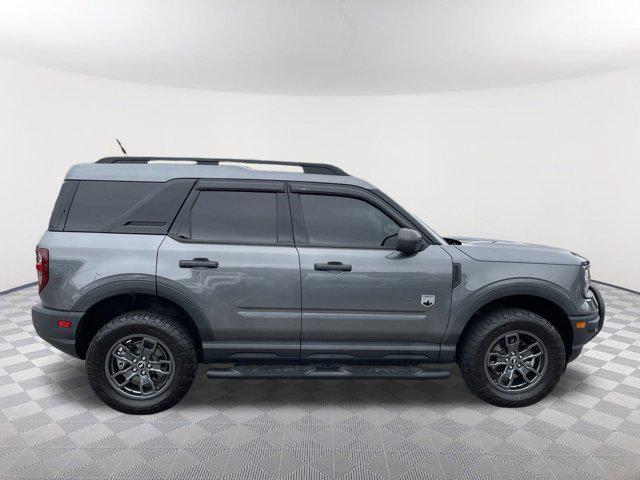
(586, 278)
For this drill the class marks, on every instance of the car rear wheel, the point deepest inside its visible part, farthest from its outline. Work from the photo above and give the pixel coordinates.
(511, 357)
(141, 362)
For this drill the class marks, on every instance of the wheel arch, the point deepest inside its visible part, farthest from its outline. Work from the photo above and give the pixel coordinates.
(109, 300)
(539, 298)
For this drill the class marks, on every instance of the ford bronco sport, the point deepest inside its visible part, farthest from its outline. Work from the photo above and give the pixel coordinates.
(151, 266)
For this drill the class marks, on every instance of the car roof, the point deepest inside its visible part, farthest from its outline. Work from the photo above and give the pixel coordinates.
(162, 172)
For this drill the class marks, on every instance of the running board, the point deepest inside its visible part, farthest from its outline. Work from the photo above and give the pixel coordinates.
(337, 371)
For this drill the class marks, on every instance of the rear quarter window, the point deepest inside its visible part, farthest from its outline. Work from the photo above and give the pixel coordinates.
(63, 203)
(126, 207)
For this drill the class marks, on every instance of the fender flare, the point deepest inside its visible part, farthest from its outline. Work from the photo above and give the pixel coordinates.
(505, 288)
(112, 286)
(147, 285)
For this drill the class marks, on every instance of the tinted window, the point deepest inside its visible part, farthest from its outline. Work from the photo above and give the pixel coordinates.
(346, 221)
(61, 208)
(123, 207)
(235, 217)
(98, 205)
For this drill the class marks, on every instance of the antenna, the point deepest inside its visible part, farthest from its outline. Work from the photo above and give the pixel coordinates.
(121, 147)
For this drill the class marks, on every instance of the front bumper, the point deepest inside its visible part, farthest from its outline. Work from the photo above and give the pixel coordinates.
(585, 327)
(45, 321)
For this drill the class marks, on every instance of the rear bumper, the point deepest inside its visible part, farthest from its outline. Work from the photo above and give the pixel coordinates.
(45, 321)
(585, 327)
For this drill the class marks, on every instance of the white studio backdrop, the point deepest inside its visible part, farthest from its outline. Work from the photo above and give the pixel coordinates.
(553, 163)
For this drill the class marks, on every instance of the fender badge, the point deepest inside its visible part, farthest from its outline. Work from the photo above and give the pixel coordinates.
(428, 300)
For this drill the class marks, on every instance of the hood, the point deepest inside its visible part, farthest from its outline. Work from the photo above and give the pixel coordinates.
(489, 250)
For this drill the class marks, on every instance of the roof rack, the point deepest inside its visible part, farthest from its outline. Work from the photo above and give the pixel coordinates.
(315, 168)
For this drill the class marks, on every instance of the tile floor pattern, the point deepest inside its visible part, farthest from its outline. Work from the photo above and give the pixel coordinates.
(52, 425)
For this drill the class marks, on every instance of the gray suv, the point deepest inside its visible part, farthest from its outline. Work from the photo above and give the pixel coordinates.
(151, 266)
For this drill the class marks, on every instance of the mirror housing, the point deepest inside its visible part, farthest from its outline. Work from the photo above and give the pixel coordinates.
(409, 241)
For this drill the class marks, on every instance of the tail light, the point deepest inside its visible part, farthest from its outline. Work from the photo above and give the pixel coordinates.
(42, 267)
(586, 280)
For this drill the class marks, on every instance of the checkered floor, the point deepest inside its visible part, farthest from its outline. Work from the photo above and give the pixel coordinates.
(52, 426)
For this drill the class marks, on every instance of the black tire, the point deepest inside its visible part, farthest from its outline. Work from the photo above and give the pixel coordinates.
(170, 334)
(513, 324)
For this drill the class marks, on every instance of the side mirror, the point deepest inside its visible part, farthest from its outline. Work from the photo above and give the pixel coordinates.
(409, 241)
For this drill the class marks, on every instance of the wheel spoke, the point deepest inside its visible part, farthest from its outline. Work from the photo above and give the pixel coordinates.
(512, 340)
(127, 373)
(525, 370)
(496, 359)
(146, 380)
(122, 352)
(156, 366)
(532, 356)
(506, 378)
(529, 349)
(146, 351)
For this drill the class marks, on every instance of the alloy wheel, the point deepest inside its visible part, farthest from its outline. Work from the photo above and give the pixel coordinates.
(139, 366)
(516, 361)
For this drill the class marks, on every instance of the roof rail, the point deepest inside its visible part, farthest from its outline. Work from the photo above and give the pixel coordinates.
(316, 168)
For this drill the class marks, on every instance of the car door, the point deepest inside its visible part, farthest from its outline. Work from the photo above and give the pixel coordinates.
(361, 298)
(231, 252)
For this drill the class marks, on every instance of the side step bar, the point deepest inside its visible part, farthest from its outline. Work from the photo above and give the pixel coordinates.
(331, 371)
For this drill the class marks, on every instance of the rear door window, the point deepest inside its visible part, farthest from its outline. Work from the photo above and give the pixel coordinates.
(235, 217)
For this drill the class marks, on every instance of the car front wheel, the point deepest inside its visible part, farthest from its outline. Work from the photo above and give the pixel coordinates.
(511, 357)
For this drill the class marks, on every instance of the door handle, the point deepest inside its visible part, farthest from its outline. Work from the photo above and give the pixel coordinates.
(332, 267)
(198, 263)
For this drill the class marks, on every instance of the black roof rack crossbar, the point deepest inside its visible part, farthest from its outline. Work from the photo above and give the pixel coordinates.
(316, 168)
